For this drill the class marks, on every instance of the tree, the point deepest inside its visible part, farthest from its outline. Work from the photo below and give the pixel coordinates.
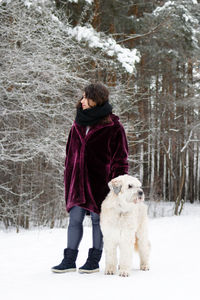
(43, 69)
(147, 53)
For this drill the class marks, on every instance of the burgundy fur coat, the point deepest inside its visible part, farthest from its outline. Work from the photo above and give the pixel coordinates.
(92, 160)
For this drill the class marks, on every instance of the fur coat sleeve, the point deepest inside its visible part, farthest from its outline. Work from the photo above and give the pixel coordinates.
(119, 165)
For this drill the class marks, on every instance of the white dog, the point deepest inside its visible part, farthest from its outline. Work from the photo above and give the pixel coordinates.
(123, 222)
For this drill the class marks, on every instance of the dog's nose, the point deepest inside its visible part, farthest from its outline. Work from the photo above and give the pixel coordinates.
(140, 193)
(117, 189)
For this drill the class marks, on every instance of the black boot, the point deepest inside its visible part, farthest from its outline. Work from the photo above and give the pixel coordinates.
(68, 263)
(92, 263)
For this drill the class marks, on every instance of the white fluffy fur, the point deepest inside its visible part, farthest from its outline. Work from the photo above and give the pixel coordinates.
(123, 222)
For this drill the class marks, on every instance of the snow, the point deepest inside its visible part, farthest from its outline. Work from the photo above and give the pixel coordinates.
(191, 22)
(161, 8)
(91, 1)
(73, 1)
(26, 259)
(128, 58)
(27, 3)
(87, 34)
(76, 1)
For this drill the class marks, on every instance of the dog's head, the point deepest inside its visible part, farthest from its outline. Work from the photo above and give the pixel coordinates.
(128, 188)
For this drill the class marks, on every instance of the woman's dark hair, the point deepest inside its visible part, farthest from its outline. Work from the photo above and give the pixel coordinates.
(96, 92)
(99, 94)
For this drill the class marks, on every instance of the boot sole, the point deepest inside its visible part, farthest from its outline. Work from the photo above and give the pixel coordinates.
(88, 271)
(63, 271)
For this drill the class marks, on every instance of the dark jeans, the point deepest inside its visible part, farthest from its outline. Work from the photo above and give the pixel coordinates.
(75, 228)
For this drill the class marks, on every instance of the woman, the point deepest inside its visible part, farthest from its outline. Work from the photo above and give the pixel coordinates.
(96, 152)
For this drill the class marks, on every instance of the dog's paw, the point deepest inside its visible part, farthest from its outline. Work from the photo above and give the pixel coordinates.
(124, 273)
(111, 270)
(144, 267)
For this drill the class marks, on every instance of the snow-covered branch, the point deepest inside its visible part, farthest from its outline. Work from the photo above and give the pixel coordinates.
(190, 140)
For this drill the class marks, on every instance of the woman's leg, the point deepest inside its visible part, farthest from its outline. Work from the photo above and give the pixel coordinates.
(75, 233)
(75, 228)
(94, 254)
(96, 232)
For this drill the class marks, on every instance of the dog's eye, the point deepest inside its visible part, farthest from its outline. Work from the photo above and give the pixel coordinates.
(130, 186)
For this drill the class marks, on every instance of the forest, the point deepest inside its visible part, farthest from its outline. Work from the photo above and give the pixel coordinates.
(147, 52)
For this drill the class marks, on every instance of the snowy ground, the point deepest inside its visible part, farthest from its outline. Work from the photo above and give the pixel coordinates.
(26, 259)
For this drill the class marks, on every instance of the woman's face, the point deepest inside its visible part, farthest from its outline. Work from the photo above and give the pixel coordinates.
(87, 103)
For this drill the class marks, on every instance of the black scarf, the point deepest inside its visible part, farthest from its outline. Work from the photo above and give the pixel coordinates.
(91, 116)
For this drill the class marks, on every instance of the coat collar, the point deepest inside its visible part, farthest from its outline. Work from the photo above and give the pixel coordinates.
(81, 130)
